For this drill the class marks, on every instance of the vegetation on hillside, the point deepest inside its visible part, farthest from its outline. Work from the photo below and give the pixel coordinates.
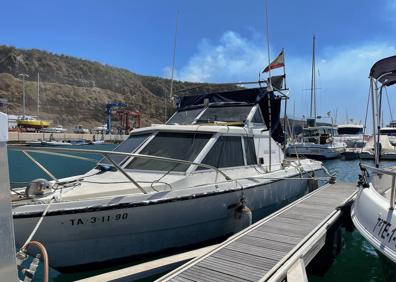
(75, 90)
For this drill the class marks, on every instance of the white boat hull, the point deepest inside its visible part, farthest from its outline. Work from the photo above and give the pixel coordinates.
(375, 221)
(325, 151)
(101, 233)
(370, 156)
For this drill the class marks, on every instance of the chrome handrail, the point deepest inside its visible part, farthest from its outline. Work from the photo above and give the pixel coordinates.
(105, 155)
(387, 172)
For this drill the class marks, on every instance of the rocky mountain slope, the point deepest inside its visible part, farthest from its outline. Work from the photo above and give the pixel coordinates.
(75, 91)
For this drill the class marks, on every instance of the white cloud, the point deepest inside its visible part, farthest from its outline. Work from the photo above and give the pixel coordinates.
(233, 58)
(343, 71)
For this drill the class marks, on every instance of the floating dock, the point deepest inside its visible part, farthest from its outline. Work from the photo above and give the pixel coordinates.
(277, 247)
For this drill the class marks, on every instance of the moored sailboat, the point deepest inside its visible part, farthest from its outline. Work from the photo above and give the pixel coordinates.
(316, 141)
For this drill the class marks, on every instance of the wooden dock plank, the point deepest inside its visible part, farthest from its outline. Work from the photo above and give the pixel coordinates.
(182, 279)
(268, 235)
(233, 268)
(255, 241)
(256, 252)
(207, 274)
(245, 259)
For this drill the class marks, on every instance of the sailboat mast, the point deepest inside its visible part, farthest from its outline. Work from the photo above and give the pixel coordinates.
(313, 82)
(38, 95)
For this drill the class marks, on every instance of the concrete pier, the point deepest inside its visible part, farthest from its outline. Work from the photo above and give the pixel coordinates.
(8, 267)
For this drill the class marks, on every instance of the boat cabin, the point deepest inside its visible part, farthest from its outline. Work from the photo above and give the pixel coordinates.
(222, 130)
(318, 134)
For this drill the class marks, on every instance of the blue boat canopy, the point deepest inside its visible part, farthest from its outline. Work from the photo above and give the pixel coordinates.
(249, 96)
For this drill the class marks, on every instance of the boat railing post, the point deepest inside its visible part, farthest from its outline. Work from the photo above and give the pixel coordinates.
(120, 169)
(392, 197)
(374, 112)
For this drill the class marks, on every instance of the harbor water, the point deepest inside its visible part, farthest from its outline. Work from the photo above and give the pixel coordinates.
(357, 261)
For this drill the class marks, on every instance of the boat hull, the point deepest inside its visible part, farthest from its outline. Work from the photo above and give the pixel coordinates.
(375, 221)
(370, 156)
(38, 124)
(107, 233)
(315, 151)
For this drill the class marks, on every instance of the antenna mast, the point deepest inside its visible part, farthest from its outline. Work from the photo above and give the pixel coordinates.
(173, 67)
(313, 82)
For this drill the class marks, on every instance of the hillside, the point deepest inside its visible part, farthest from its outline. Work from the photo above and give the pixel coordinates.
(75, 91)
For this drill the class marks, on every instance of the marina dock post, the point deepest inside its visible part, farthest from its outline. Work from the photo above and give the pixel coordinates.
(8, 267)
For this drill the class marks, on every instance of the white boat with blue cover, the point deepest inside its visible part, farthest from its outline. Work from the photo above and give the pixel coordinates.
(168, 186)
(373, 211)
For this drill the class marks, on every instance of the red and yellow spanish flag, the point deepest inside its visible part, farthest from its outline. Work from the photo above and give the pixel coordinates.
(277, 63)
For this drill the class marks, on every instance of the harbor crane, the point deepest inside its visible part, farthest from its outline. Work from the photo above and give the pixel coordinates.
(109, 111)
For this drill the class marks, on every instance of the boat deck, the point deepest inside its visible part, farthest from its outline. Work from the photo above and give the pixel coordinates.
(280, 245)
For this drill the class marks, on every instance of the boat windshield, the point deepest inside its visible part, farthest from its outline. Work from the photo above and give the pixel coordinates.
(183, 146)
(388, 131)
(185, 116)
(128, 146)
(350, 130)
(225, 114)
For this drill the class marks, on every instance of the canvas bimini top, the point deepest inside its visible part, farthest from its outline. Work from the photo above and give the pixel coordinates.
(231, 108)
(385, 71)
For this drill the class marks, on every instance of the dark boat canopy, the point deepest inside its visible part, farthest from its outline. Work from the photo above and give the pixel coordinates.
(249, 96)
(385, 71)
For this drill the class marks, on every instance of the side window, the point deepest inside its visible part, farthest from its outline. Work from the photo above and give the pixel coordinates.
(257, 117)
(226, 152)
(250, 151)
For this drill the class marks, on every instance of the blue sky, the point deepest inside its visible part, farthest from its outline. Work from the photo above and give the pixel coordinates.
(219, 41)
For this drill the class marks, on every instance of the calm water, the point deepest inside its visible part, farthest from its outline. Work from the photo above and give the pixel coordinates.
(357, 261)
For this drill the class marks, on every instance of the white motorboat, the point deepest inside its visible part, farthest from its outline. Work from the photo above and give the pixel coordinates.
(317, 142)
(168, 186)
(351, 134)
(373, 211)
(56, 129)
(79, 129)
(390, 131)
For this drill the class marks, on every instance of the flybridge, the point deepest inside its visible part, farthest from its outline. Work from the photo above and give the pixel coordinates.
(247, 107)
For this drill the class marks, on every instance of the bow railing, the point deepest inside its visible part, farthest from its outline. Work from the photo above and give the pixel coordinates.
(106, 155)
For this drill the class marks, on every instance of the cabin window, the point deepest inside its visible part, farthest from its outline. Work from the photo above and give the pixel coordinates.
(389, 132)
(250, 151)
(182, 146)
(226, 152)
(225, 114)
(185, 117)
(128, 146)
(350, 130)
